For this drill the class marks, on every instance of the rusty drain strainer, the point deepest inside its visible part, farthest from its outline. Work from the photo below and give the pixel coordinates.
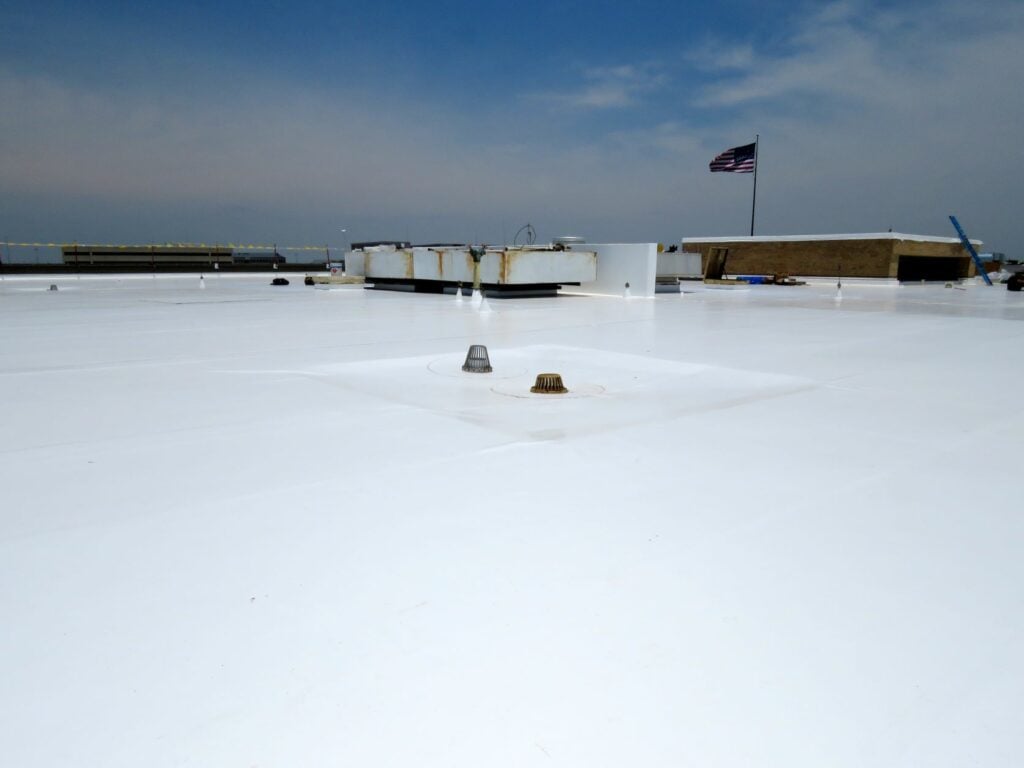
(549, 384)
(477, 360)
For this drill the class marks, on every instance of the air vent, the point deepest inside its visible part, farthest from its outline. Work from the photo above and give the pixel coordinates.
(477, 360)
(549, 384)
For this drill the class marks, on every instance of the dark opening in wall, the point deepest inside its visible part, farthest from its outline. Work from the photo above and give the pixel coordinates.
(913, 268)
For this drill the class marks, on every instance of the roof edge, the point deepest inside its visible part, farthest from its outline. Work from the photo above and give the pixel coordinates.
(834, 237)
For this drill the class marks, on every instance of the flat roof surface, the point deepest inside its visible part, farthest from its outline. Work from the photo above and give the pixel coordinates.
(253, 525)
(816, 238)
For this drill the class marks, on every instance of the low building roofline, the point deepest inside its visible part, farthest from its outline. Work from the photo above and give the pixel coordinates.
(840, 237)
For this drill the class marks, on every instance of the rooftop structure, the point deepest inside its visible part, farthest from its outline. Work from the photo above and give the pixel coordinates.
(503, 270)
(892, 255)
(255, 525)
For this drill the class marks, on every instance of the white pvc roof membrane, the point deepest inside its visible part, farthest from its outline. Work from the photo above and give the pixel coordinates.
(817, 238)
(260, 526)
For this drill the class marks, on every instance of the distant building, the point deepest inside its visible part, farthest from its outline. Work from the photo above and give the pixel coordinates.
(879, 254)
(134, 255)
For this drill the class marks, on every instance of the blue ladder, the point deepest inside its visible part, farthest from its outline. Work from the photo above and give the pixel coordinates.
(970, 249)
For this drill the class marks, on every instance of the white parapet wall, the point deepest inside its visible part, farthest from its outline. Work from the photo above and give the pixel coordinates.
(355, 263)
(679, 264)
(618, 264)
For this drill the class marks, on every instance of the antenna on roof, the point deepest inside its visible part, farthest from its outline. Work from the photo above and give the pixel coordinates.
(531, 234)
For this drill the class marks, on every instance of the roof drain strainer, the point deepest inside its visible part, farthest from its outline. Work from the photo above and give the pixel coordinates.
(477, 360)
(549, 384)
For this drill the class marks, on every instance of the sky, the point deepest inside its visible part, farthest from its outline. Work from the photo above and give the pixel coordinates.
(462, 121)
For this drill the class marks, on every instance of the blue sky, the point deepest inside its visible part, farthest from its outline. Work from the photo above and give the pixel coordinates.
(285, 122)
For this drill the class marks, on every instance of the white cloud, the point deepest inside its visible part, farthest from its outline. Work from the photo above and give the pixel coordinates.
(867, 120)
(613, 87)
(872, 119)
(850, 52)
(716, 55)
(301, 160)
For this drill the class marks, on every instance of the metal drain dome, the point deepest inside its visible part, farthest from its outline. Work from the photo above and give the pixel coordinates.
(549, 384)
(477, 360)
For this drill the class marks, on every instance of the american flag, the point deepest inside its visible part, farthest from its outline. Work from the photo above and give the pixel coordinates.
(736, 160)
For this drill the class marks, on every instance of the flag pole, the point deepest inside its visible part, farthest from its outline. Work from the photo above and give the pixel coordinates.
(753, 205)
